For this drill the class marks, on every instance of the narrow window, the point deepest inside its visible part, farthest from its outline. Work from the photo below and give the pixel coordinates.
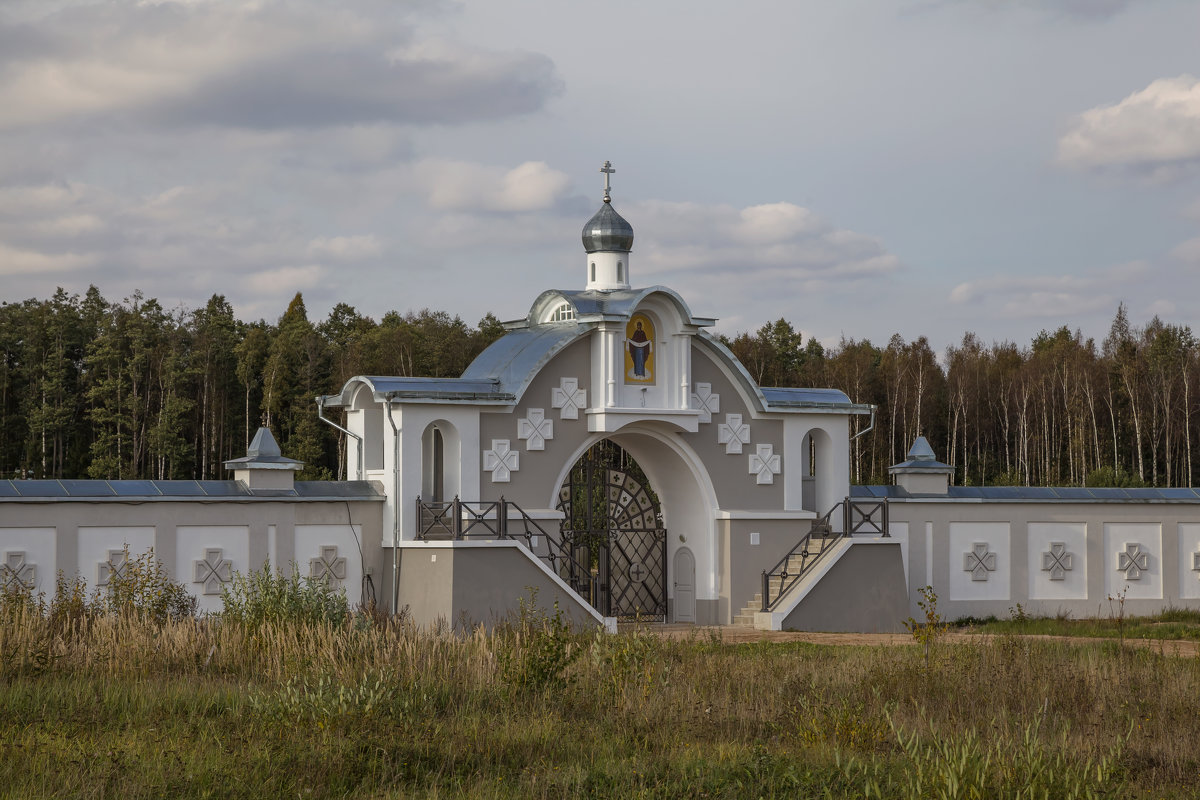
(620, 272)
(593, 272)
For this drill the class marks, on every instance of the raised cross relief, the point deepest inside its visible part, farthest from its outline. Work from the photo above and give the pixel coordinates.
(501, 461)
(327, 567)
(568, 398)
(1133, 561)
(705, 401)
(16, 573)
(1057, 561)
(535, 429)
(980, 561)
(733, 433)
(213, 571)
(765, 464)
(112, 568)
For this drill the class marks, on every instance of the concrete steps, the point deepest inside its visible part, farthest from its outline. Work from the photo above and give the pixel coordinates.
(745, 618)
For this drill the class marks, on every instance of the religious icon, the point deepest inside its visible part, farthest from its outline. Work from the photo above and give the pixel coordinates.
(639, 350)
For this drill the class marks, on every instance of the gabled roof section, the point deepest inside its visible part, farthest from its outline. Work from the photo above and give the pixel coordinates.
(597, 306)
(782, 399)
(420, 390)
(515, 359)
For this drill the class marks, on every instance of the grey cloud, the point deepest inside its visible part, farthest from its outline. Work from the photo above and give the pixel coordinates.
(315, 89)
(1083, 10)
(256, 65)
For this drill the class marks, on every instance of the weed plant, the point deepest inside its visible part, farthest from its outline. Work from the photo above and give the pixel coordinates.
(112, 702)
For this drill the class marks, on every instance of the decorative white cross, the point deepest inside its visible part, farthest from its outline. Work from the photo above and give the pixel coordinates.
(568, 397)
(1133, 562)
(1057, 561)
(608, 170)
(16, 573)
(212, 571)
(979, 562)
(765, 464)
(707, 402)
(733, 434)
(327, 567)
(535, 429)
(114, 567)
(501, 460)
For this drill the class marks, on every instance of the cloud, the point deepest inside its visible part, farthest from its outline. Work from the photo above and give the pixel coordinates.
(1082, 10)
(775, 241)
(257, 65)
(345, 248)
(15, 261)
(1051, 296)
(464, 186)
(267, 282)
(1188, 251)
(1157, 128)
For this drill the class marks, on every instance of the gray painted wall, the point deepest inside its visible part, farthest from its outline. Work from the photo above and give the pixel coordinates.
(468, 584)
(940, 533)
(742, 563)
(864, 591)
(55, 533)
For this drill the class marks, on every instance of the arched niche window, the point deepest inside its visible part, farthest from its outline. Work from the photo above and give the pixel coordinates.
(620, 272)
(593, 272)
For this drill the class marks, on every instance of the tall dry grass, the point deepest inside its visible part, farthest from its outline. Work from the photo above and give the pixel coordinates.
(372, 706)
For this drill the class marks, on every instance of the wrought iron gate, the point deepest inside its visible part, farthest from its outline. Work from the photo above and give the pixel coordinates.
(613, 524)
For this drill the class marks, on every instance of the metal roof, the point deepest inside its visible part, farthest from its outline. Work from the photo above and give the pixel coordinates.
(593, 305)
(607, 230)
(787, 397)
(144, 490)
(1034, 494)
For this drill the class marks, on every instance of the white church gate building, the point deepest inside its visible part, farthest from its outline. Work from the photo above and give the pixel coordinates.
(610, 456)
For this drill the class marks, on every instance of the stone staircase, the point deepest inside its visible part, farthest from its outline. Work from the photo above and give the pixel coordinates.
(816, 545)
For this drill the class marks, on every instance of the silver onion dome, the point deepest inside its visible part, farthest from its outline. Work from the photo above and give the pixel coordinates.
(607, 230)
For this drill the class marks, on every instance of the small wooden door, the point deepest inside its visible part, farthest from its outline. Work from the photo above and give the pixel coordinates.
(685, 585)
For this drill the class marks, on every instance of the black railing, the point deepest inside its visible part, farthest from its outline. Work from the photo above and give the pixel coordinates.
(858, 516)
(489, 519)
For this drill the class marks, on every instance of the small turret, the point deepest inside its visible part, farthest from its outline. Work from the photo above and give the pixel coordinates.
(922, 473)
(607, 239)
(265, 467)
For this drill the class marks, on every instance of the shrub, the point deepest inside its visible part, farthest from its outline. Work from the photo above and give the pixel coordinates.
(144, 587)
(265, 596)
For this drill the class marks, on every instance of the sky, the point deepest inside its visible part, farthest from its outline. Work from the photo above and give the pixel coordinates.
(920, 167)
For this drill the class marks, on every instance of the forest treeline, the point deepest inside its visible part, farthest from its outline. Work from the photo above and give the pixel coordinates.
(100, 389)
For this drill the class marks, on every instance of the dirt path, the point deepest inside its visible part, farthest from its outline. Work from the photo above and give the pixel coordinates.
(730, 635)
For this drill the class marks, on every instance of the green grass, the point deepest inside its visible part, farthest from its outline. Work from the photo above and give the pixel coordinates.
(291, 696)
(1170, 624)
(121, 706)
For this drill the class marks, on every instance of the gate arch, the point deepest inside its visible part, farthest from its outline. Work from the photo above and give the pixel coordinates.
(687, 501)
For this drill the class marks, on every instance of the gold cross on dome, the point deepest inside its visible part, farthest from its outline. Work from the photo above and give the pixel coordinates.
(608, 170)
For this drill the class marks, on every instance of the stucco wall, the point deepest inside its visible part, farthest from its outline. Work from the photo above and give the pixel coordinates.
(77, 537)
(464, 584)
(1015, 537)
(742, 561)
(863, 591)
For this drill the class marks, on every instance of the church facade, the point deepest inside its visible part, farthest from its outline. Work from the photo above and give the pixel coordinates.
(610, 458)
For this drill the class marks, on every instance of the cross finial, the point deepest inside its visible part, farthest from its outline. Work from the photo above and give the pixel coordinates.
(608, 170)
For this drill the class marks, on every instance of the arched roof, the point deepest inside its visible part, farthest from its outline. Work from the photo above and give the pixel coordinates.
(592, 305)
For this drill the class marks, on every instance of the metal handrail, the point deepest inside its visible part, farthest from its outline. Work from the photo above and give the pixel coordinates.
(807, 559)
(557, 552)
(872, 517)
(458, 519)
(461, 519)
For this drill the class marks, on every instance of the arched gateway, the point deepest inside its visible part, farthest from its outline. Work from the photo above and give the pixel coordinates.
(603, 434)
